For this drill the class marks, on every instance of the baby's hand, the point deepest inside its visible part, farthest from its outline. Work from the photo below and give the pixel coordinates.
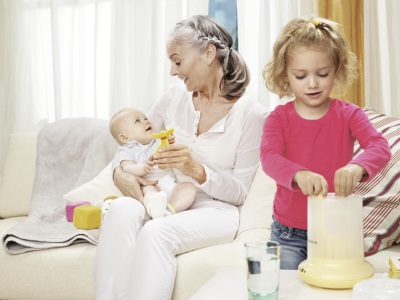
(310, 183)
(148, 166)
(171, 139)
(346, 179)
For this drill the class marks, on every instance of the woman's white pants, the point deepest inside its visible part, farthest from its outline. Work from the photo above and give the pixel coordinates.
(136, 258)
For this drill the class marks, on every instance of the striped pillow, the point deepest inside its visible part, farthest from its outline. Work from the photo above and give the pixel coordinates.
(381, 194)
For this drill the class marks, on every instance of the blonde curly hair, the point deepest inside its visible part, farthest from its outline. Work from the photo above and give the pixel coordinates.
(316, 33)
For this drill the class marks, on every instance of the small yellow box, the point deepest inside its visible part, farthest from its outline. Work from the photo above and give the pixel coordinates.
(87, 217)
(394, 264)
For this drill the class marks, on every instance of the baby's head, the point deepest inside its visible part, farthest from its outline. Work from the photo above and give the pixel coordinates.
(131, 124)
(314, 34)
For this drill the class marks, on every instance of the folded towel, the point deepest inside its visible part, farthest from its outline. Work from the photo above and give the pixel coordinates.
(70, 152)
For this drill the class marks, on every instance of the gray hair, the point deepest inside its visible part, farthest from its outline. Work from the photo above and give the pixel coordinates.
(198, 32)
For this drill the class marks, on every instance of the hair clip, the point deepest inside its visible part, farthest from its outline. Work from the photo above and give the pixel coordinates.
(316, 23)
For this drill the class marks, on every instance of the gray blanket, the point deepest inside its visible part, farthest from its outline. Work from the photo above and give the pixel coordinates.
(70, 153)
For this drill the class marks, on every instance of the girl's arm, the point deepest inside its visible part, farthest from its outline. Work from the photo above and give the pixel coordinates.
(273, 160)
(376, 148)
(375, 156)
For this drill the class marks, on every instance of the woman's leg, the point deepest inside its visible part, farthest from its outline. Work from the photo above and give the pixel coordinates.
(160, 240)
(115, 248)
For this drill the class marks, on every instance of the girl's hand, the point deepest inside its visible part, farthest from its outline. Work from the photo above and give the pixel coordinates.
(310, 183)
(179, 157)
(346, 179)
(129, 184)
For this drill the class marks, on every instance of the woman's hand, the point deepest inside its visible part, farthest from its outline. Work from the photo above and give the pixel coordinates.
(310, 183)
(129, 184)
(179, 157)
(171, 139)
(346, 179)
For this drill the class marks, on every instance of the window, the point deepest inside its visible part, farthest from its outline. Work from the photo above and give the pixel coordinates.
(225, 12)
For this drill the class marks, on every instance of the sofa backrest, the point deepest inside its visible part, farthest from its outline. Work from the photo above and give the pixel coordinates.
(19, 171)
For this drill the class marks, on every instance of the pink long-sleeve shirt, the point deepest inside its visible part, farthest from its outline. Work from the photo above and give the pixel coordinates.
(290, 144)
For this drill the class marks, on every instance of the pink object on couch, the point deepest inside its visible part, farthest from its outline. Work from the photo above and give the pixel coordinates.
(69, 209)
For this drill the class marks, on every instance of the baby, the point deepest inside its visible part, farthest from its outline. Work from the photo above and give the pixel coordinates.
(133, 131)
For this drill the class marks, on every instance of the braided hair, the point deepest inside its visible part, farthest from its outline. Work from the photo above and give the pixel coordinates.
(198, 32)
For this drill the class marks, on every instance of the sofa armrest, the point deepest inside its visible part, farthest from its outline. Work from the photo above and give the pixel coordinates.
(18, 175)
(256, 212)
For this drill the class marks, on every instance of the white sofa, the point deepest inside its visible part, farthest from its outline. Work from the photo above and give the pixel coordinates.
(67, 273)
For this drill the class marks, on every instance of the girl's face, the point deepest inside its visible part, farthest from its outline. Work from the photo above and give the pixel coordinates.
(189, 65)
(311, 74)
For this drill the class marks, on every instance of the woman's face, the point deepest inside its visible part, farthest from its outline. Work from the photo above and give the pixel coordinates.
(189, 65)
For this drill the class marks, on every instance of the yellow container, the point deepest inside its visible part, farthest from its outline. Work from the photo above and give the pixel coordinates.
(335, 256)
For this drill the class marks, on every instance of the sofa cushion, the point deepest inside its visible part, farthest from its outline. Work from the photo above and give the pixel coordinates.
(381, 194)
(96, 190)
(59, 273)
(18, 175)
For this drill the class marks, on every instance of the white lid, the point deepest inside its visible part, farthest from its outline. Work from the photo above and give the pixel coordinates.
(377, 288)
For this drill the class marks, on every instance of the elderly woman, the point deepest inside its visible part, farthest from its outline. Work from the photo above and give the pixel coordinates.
(217, 137)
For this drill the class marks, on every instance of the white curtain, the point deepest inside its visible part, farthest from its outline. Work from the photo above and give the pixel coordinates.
(86, 58)
(89, 58)
(259, 23)
(382, 62)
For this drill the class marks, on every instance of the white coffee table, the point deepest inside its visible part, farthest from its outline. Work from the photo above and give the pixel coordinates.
(230, 284)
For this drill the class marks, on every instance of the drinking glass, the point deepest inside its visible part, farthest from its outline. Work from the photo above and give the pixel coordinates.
(263, 264)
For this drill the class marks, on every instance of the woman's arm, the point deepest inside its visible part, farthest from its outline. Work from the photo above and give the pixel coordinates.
(130, 185)
(179, 157)
(239, 145)
(233, 186)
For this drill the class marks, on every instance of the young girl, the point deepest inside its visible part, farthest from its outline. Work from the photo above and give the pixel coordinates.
(307, 144)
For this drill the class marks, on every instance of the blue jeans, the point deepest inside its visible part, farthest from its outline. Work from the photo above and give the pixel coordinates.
(293, 244)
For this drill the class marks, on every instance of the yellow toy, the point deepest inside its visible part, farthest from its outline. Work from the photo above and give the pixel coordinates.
(105, 206)
(87, 217)
(163, 136)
